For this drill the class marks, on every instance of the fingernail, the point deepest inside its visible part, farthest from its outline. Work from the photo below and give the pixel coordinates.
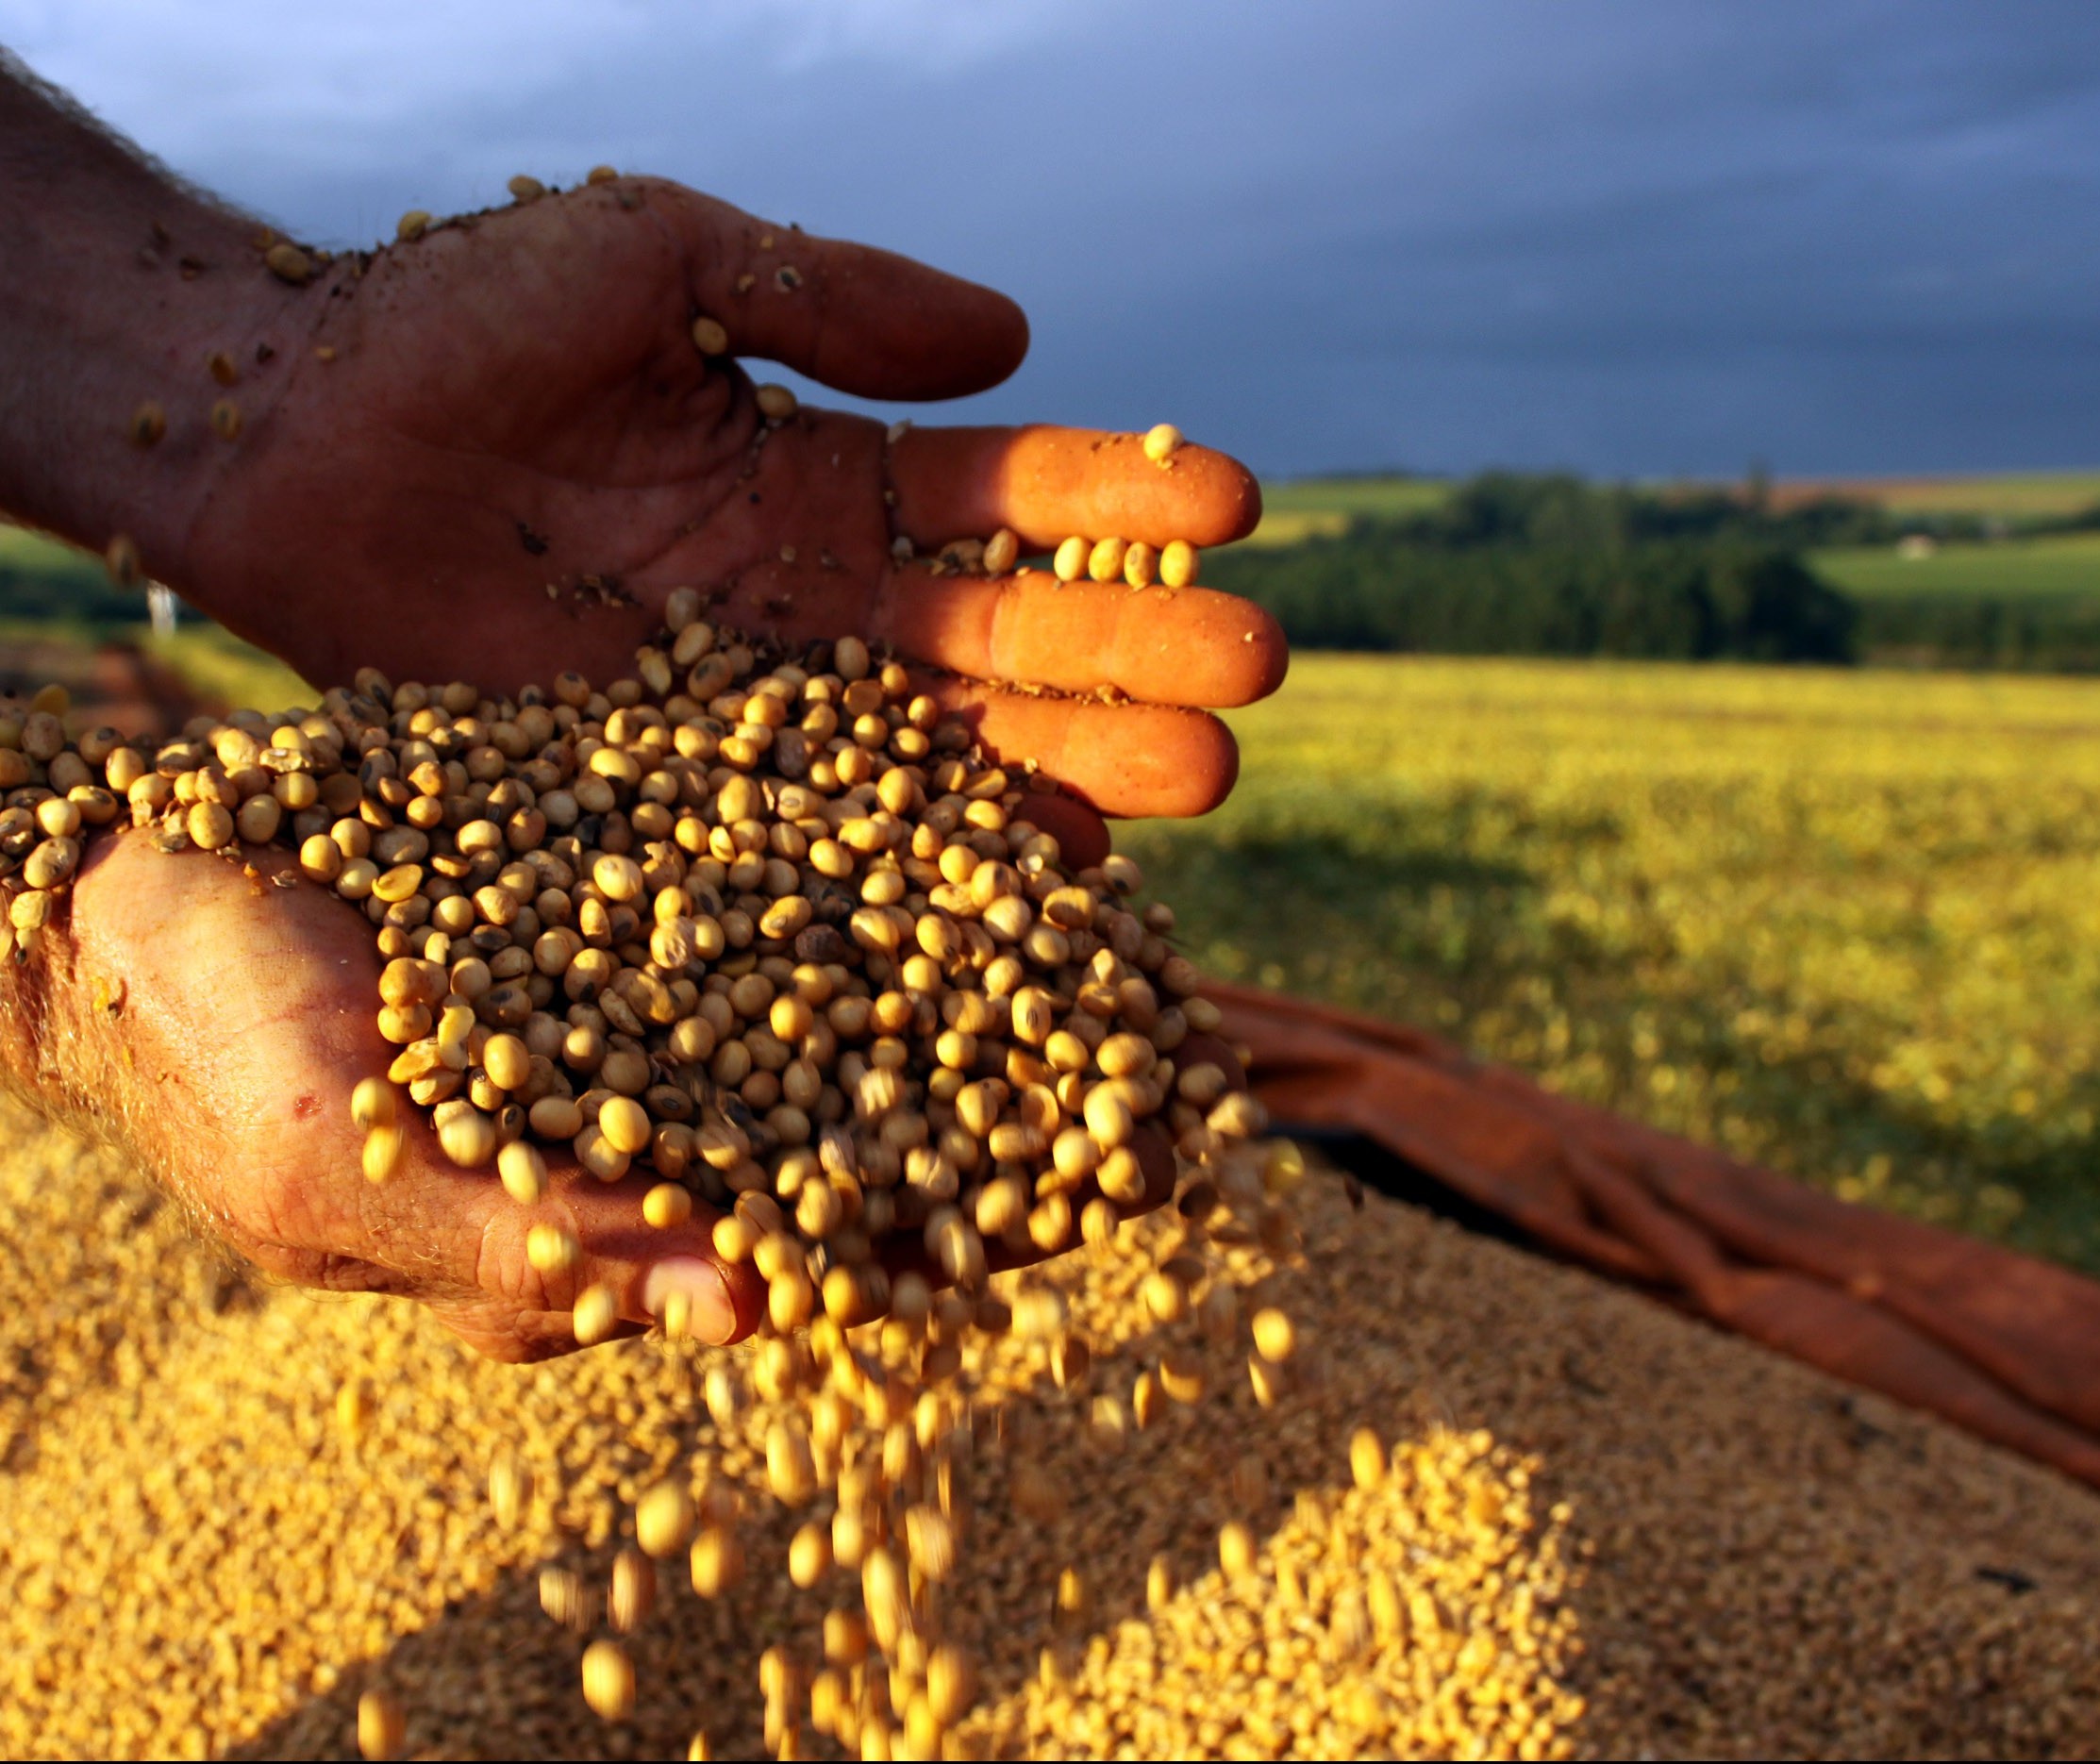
(691, 1298)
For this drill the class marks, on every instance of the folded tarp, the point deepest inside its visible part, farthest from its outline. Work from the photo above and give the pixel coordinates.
(2000, 1343)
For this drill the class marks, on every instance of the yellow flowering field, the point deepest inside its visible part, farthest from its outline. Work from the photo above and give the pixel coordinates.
(1843, 922)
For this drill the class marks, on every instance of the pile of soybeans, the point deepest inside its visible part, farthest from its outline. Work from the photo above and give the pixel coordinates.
(814, 965)
(1247, 1474)
(1603, 1530)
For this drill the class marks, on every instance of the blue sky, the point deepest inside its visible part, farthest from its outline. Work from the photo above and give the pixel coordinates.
(1629, 237)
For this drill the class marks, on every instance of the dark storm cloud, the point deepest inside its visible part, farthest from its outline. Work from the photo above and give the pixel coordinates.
(1631, 237)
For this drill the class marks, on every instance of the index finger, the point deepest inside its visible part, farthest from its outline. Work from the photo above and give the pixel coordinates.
(856, 318)
(461, 1226)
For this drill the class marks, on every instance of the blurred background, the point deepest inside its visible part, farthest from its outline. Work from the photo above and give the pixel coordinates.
(1676, 427)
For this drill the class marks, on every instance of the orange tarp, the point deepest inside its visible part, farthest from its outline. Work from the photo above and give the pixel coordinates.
(2000, 1343)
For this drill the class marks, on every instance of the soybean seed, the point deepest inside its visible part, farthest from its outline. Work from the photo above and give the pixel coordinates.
(664, 1520)
(1159, 1585)
(608, 1680)
(507, 1060)
(1105, 560)
(288, 263)
(372, 1104)
(382, 1725)
(551, 1248)
(596, 1316)
(468, 1138)
(1275, 1335)
(1069, 562)
(809, 1555)
(777, 404)
(384, 1152)
(510, 1487)
(561, 1596)
(710, 336)
(121, 559)
(1181, 1375)
(624, 1125)
(51, 862)
(633, 1594)
(666, 1204)
(1178, 564)
(716, 1560)
(354, 1408)
(524, 1173)
(1367, 1458)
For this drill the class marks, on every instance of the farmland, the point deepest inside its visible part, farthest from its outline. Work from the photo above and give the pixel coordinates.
(1998, 573)
(2058, 567)
(1844, 922)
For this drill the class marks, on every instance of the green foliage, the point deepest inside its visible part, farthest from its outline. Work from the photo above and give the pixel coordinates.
(2016, 632)
(2026, 604)
(1839, 923)
(1546, 567)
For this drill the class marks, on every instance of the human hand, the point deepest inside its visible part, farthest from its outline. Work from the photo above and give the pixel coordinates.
(493, 453)
(243, 1018)
(217, 1022)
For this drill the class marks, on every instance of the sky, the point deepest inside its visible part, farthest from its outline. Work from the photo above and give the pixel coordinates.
(1633, 238)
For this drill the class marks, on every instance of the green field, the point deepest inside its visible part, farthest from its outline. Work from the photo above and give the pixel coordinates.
(2058, 567)
(1310, 506)
(1847, 923)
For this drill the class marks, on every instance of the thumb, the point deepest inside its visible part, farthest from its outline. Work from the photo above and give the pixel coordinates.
(472, 1242)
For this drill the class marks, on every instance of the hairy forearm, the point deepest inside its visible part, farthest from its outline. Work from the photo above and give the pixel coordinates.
(48, 1057)
(117, 286)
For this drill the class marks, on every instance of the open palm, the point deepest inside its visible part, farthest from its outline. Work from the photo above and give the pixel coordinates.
(499, 449)
(244, 1004)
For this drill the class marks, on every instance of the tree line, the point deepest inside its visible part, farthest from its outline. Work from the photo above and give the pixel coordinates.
(1549, 564)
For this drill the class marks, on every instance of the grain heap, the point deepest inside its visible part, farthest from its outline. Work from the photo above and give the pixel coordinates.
(817, 969)
(1726, 1554)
